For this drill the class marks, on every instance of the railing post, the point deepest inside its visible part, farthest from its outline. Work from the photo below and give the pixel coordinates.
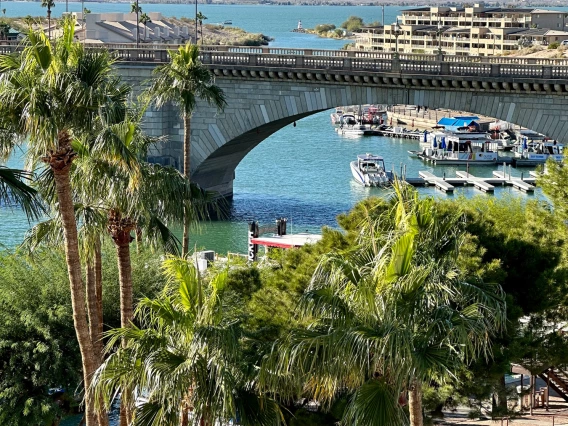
(444, 68)
(308, 52)
(299, 61)
(252, 60)
(395, 64)
(546, 71)
(347, 63)
(495, 70)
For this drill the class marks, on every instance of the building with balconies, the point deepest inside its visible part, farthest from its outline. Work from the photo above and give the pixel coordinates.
(475, 30)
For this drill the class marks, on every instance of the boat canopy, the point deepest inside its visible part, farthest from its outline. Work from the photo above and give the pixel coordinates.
(455, 124)
(369, 157)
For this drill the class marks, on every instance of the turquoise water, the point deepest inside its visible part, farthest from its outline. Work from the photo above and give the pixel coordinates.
(302, 172)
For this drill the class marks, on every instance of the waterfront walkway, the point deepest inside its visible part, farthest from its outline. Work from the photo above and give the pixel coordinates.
(557, 415)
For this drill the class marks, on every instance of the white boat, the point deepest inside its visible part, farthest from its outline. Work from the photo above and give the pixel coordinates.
(454, 150)
(538, 152)
(369, 170)
(228, 22)
(349, 125)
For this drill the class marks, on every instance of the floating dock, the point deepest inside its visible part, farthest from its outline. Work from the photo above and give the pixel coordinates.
(484, 184)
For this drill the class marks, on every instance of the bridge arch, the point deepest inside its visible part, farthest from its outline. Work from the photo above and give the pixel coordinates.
(258, 108)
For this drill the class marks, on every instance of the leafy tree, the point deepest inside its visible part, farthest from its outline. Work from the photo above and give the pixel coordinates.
(352, 24)
(324, 28)
(187, 355)
(391, 313)
(40, 361)
(182, 81)
(36, 87)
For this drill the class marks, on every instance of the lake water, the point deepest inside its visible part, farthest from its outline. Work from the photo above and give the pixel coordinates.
(301, 172)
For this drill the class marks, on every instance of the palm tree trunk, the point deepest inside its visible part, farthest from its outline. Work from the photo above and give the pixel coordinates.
(95, 328)
(99, 284)
(126, 310)
(187, 174)
(48, 23)
(415, 404)
(60, 163)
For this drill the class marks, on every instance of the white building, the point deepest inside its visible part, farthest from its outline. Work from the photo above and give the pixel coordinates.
(476, 30)
(122, 28)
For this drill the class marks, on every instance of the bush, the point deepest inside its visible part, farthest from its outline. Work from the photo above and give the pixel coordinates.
(554, 45)
(324, 28)
(353, 23)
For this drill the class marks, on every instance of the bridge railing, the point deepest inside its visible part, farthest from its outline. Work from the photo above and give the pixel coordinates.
(345, 60)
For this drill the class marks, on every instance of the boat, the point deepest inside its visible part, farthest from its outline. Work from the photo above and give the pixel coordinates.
(349, 125)
(369, 170)
(228, 22)
(455, 150)
(533, 153)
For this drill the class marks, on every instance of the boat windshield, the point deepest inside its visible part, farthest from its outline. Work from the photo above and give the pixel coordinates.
(372, 166)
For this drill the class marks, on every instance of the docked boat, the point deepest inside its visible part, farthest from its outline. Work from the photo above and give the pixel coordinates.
(369, 170)
(228, 22)
(349, 125)
(534, 153)
(455, 150)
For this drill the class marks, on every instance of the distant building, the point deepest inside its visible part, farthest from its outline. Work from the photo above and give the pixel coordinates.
(476, 30)
(121, 28)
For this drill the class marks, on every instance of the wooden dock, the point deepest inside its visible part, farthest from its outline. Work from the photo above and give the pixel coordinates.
(518, 183)
(478, 182)
(484, 184)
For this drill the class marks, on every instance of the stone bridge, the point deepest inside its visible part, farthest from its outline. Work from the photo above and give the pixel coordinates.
(268, 89)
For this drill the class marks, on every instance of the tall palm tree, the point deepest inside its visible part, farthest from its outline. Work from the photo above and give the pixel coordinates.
(145, 19)
(135, 8)
(200, 18)
(187, 356)
(48, 95)
(183, 81)
(388, 315)
(49, 4)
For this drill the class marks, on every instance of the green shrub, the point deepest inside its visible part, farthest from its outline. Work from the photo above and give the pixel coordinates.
(353, 23)
(324, 28)
(554, 45)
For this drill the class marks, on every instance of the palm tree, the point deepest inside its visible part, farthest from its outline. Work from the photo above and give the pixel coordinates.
(183, 81)
(145, 19)
(14, 191)
(48, 95)
(388, 315)
(200, 18)
(49, 4)
(135, 8)
(187, 355)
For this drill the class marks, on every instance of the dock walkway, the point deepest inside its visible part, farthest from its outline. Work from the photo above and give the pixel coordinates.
(485, 184)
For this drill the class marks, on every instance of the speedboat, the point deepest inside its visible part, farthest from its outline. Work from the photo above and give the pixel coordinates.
(349, 125)
(228, 22)
(369, 170)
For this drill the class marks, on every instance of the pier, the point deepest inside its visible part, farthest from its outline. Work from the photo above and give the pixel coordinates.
(484, 184)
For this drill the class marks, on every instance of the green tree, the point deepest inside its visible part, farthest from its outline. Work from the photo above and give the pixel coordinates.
(49, 4)
(187, 355)
(200, 18)
(182, 81)
(39, 353)
(352, 24)
(388, 315)
(4, 30)
(324, 28)
(144, 20)
(135, 8)
(36, 87)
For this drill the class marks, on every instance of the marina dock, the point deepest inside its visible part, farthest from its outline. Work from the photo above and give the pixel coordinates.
(484, 184)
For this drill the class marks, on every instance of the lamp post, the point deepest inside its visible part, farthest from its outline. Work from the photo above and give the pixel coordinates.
(195, 21)
(397, 31)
